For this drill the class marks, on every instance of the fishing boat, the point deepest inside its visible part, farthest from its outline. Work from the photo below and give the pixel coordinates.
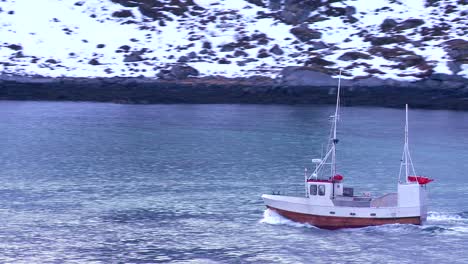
(329, 204)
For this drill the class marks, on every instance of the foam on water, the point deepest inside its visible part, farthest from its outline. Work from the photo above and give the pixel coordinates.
(273, 218)
(447, 217)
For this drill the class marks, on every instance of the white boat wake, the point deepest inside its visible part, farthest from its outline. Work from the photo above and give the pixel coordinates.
(273, 218)
(446, 217)
(434, 220)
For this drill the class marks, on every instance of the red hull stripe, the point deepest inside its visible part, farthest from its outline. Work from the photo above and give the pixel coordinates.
(336, 222)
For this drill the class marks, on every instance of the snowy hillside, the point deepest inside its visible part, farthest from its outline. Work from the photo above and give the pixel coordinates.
(397, 39)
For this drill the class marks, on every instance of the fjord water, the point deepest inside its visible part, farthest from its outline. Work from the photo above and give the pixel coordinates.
(110, 183)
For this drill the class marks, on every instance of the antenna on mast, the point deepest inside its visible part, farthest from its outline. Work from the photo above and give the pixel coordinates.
(330, 156)
(335, 121)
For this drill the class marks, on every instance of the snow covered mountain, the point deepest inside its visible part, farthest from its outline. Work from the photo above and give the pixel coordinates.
(405, 40)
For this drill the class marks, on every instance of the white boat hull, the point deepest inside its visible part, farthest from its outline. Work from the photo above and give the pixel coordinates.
(303, 210)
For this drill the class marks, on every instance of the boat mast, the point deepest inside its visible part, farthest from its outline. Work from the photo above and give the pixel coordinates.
(330, 157)
(406, 144)
(335, 121)
(406, 159)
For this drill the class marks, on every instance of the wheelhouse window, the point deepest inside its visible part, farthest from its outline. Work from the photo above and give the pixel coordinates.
(313, 189)
(321, 190)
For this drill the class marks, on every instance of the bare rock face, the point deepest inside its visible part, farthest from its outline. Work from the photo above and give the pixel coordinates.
(157, 10)
(410, 23)
(259, 3)
(15, 47)
(457, 50)
(123, 13)
(388, 24)
(94, 61)
(297, 11)
(304, 33)
(134, 56)
(224, 61)
(354, 55)
(206, 45)
(274, 5)
(377, 41)
(276, 50)
(263, 53)
(183, 71)
(305, 76)
(178, 72)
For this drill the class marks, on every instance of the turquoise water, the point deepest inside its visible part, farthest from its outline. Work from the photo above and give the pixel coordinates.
(109, 183)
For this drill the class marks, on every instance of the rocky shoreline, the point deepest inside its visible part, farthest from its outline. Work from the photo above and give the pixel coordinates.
(295, 85)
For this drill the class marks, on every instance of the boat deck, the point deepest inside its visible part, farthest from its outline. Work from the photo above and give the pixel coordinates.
(387, 200)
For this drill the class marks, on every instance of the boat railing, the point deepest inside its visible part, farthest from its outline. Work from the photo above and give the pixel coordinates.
(386, 200)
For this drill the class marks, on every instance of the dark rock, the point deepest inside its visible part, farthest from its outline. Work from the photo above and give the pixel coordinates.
(94, 62)
(125, 48)
(183, 71)
(192, 55)
(351, 19)
(263, 41)
(318, 45)
(239, 53)
(206, 45)
(203, 51)
(412, 60)
(133, 57)
(457, 49)
(304, 33)
(276, 50)
(256, 36)
(316, 18)
(15, 47)
(123, 13)
(100, 46)
(51, 61)
(11, 12)
(274, 5)
(377, 41)
(19, 55)
(80, 3)
(263, 53)
(317, 61)
(390, 53)
(257, 3)
(229, 47)
(305, 76)
(224, 61)
(455, 67)
(410, 23)
(354, 55)
(350, 10)
(335, 11)
(297, 11)
(248, 60)
(388, 24)
(183, 59)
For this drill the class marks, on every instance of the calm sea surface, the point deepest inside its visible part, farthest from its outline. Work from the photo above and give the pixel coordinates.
(109, 183)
